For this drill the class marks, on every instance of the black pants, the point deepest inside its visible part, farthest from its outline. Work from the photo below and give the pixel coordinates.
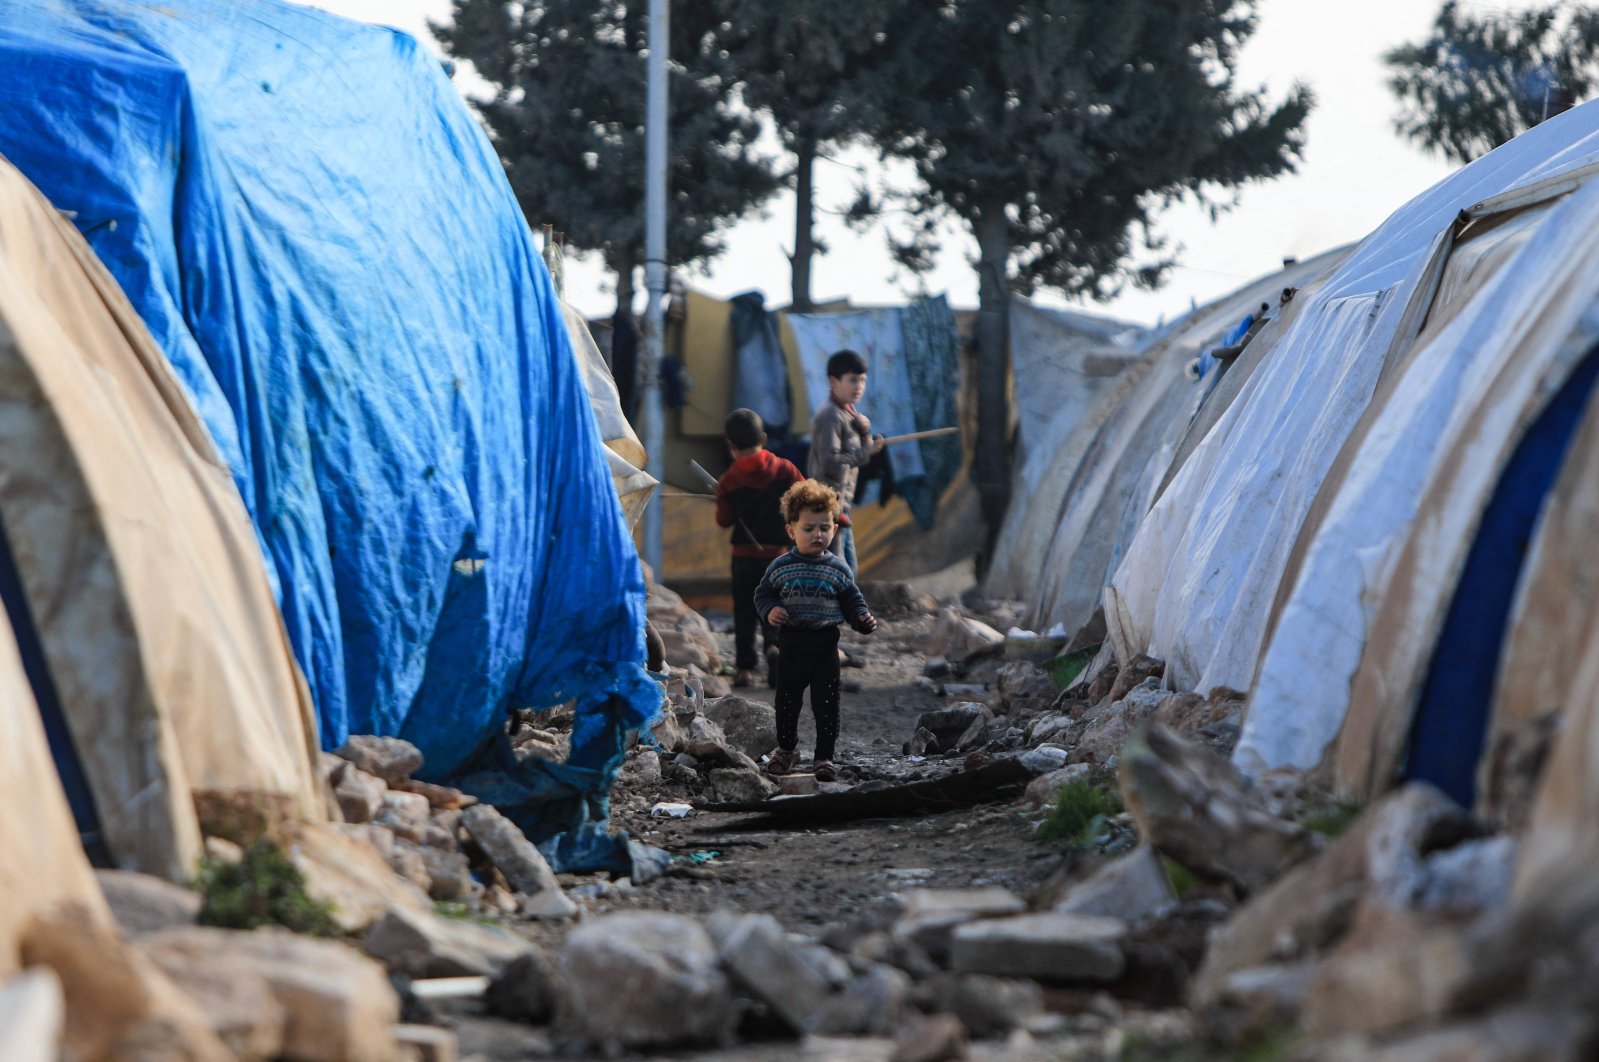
(807, 658)
(747, 572)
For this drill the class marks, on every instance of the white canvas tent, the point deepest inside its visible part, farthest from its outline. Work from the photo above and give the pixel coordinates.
(1197, 586)
(138, 573)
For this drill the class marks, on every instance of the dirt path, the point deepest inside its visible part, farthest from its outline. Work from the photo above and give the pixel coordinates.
(816, 879)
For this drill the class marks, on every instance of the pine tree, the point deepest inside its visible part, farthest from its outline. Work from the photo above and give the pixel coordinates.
(1055, 129)
(567, 118)
(1476, 82)
(810, 65)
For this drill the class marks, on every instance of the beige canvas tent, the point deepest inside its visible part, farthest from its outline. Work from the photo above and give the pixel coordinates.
(41, 862)
(139, 572)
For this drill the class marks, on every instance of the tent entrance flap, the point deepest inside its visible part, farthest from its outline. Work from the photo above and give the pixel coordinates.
(1446, 739)
(69, 766)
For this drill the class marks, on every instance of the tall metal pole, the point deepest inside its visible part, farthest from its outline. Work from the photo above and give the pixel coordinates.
(651, 414)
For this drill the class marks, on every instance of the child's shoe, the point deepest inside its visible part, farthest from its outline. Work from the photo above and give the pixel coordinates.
(824, 771)
(780, 762)
(744, 677)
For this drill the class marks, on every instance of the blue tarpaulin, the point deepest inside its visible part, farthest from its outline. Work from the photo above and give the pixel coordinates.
(322, 241)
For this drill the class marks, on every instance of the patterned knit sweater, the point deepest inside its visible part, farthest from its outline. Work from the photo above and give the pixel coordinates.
(818, 592)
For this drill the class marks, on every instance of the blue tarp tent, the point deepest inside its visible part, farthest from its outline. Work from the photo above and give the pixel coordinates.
(322, 240)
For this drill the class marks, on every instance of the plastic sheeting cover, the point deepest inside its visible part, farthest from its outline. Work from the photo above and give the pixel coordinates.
(324, 244)
(1197, 591)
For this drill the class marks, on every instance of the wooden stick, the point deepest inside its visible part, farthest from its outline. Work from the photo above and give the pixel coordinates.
(699, 470)
(929, 434)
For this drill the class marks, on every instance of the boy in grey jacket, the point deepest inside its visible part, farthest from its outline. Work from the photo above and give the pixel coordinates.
(842, 441)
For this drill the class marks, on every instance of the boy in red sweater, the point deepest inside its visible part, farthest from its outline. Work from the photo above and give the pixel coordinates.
(749, 500)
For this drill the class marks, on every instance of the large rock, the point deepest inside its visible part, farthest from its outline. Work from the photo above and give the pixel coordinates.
(706, 742)
(749, 726)
(645, 979)
(1136, 672)
(1050, 946)
(390, 758)
(1131, 888)
(950, 725)
(118, 1003)
(235, 998)
(1104, 729)
(338, 1004)
(737, 785)
(528, 989)
(871, 1004)
(1195, 807)
(960, 637)
(359, 794)
(523, 865)
(31, 1014)
(754, 949)
(930, 916)
(143, 903)
(344, 867)
(425, 945)
(1312, 906)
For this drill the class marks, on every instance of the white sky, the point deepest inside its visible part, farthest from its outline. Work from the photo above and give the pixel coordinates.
(1355, 172)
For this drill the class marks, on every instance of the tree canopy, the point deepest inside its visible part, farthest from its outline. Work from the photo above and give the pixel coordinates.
(811, 66)
(567, 118)
(1477, 81)
(1055, 129)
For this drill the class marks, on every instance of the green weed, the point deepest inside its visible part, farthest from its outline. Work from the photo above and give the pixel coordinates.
(1331, 820)
(263, 888)
(1078, 819)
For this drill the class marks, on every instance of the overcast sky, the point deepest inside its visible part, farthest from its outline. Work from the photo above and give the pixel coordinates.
(1356, 172)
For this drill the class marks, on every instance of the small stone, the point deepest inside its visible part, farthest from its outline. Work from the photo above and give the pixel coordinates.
(643, 769)
(427, 1043)
(142, 903)
(645, 979)
(935, 667)
(1049, 946)
(449, 874)
(871, 1004)
(740, 785)
(755, 951)
(1044, 790)
(223, 850)
(523, 865)
(748, 725)
(344, 867)
(939, 1038)
(931, 915)
(405, 859)
(798, 784)
(438, 796)
(991, 1007)
(1131, 888)
(924, 742)
(391, 759)
(424, 945)
(527, 989)
(359, 794)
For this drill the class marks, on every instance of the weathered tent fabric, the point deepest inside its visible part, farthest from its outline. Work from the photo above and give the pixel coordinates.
(41, 862)
(1545, 340)
(1556, 604)
(1198, 587)
(1147, 428)
(1564, 829)
(140, 571)
(933, 367)
(760, 377)
(1070, 367)
(1446, 396)
(624, 453)
(324, 245)
(879, 338)
(706, 347)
